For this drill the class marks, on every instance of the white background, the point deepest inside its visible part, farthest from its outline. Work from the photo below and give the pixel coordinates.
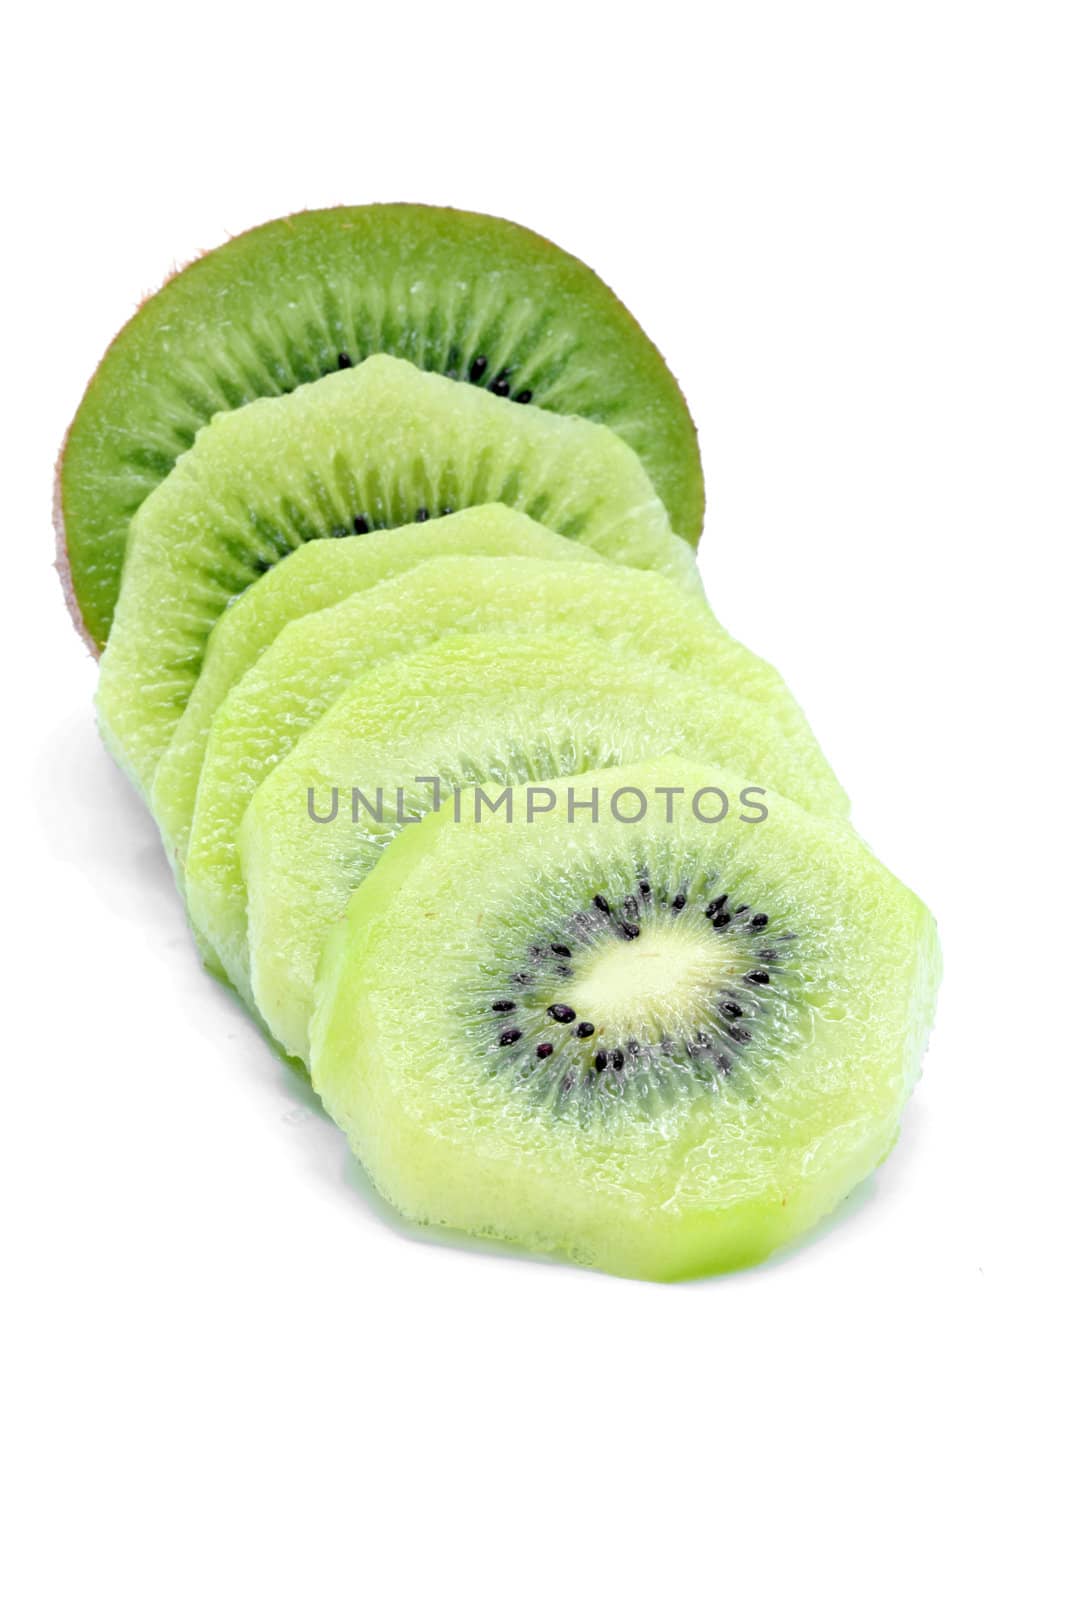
(229, 1372)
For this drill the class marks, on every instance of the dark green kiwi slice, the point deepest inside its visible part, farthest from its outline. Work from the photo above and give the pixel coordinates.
(660, 1048)
(472, 708)
(471, 297)
(376, 447)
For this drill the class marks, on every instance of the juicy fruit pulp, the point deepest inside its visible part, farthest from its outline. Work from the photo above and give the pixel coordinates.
(313, 577)
(470, 709)
(376, 447)
(467, 296)
(507, 1067)
(319, 657)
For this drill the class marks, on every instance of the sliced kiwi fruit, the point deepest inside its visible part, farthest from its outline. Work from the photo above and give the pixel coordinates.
(659, 1049)
(480, 708)
(314, 576)
(471, 297)
(379, 446)
(316, 657)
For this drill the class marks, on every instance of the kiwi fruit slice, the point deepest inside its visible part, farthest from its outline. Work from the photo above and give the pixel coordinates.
(316, 575)
(480, 708)
(317, 656)
(378, 446)
(470, 297)
(659, 1049)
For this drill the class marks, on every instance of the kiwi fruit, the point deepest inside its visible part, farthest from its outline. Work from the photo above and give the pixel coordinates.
(660, 1048)
(377, 446)
(317, 656)
(316, 575)
(478, 708)
(470, 297)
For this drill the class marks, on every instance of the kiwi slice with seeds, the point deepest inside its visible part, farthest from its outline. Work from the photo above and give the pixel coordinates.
(471, 297)
(316, 657)
(317, 575)
(659, 1049)
(481, 708)
(376, 447)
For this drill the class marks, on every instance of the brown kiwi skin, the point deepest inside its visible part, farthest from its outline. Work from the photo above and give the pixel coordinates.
(62, 561)
(62, 557)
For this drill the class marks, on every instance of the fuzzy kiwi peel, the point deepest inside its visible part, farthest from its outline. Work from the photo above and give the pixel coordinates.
(497, 1071)
(473, 297)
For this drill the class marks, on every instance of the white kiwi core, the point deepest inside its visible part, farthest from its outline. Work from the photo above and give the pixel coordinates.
(662, 976)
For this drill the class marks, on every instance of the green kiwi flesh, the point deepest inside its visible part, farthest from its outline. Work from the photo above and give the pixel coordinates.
(677, 1100)
(317, 575)
(378, 446)
(478, 708)
(470, 297)
(316, 657)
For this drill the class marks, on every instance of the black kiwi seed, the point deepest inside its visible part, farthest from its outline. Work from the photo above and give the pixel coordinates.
(360, 525)
(422, 515)
(511, 1036)
(562, 1013)
(721, 920)
(617, 1059)
(478, 368)
(503, 1005)
(716, 905)
(560, 950)
(757, 977)
(543, 1051)
(584, 1030)
(500, 386)
(343, 360)
(678, 903)
(760, 920)
(524, 397)
(629, 930)
(730, 1008)
(600, 1060)
(742, 1035)
(601, 904)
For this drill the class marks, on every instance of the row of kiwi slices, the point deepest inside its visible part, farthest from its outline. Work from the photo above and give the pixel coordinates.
(382, 520)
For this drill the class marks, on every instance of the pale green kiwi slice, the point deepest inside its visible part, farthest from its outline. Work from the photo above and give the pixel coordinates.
(659, 1049)
(316, 658)
(377, 446)
(477, 708)
(314, 576)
